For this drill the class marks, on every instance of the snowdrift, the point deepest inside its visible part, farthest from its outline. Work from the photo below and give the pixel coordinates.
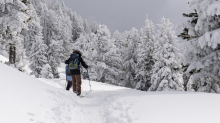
(3, 59)
(24, 99)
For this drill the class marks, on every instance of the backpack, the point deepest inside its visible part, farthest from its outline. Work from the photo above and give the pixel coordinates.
(74, 62)
(68, 71)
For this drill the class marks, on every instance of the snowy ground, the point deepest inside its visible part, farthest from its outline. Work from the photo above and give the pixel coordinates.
(3, 59)
(24, 99)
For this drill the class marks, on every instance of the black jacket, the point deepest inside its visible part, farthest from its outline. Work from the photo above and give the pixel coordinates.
(77, 72)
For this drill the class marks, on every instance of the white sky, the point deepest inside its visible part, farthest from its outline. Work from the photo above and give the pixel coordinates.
(122, 15)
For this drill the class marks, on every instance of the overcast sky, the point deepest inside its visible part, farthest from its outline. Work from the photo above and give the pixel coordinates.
(122, 15)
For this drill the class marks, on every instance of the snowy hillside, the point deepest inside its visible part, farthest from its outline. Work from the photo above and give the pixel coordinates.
(3, 59)
(25, 99)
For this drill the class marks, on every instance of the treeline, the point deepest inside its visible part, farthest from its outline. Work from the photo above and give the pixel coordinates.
(150, 61)
(39, 32)
(142, 59)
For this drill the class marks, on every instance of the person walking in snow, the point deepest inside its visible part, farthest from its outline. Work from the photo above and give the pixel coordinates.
(74, 65)
(68, 78)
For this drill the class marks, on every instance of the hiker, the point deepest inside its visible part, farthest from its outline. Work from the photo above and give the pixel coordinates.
(74, 66)
(68, 78)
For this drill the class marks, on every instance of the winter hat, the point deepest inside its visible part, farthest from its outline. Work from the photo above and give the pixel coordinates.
(77, 51)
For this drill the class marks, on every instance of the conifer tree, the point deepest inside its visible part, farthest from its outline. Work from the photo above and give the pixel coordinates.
(14, 18)
(55, 55)
(46, 72)
(166, 75)
(94, 26)
(36, 49)
(34, 30)
(145, 60)
(130, 57)
(77, 25)
(118, 42)
(65, 26)
(88, 44)
(202, 50)
(42, 12)
(91, 56)
(55, 43)
(38, 57)
(86, 27)
(108, 61)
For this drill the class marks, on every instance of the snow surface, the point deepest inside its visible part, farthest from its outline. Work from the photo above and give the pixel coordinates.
(3, 59)
(24, 99)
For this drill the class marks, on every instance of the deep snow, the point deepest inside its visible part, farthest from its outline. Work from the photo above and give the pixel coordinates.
(24, 99)
(3, 59)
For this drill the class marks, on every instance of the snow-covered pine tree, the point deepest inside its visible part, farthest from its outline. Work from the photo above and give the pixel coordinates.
(34, 28)
(77, 25)
(39, 6)
(46, 72)
(119, 42)
(65, 25)
(66, 32)
(3, 48)
(108, 61)
(55, 43)
(42, 12)
(14, 16)
(103, 39)
(185, 36)
(114, 61)
(36, 49)
(145, 60)
(21, 58)
(94, 26)
(55, 55)
(82, 42)
(87, 43)
(86, 27)
(130, 57)
(166, 75)
(38, 57)
(91, 55)
(201, 53)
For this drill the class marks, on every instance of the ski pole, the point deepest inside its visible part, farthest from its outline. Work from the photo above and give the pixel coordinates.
(89, 79)
(65, 83)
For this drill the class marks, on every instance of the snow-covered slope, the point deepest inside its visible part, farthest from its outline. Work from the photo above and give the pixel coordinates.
(3, 59)
(24, 99)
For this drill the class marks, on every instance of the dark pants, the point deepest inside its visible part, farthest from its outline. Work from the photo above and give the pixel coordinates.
(76, 82)
(69, 84)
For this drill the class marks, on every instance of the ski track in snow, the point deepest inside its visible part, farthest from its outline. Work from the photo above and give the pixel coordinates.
(98, 106)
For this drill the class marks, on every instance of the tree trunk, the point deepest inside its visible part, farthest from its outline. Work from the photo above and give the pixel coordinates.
(12, 54)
